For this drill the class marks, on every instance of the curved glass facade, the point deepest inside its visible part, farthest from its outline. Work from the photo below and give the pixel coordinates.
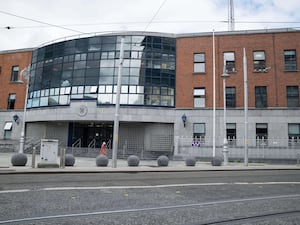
(87, 68)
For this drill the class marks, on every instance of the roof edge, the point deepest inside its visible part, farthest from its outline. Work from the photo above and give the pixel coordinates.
(238, 32)
(16, 50)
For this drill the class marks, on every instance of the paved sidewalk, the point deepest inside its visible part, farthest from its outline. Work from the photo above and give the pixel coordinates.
(88, 165)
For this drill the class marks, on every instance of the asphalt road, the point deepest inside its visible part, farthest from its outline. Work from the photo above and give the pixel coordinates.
(221, 197)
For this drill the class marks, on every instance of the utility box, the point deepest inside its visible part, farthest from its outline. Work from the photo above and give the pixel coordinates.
(49, 153)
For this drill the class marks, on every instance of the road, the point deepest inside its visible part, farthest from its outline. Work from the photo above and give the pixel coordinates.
(205, 197)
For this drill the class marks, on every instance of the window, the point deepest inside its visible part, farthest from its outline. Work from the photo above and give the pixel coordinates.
(230, 61)
(14, 73)
(7, 130)
(294, 134)
(231, 134)
(259, 61)
(261, 97)
(199, 97)
(261, 134)
(290, 62)
(11, 101)
(199, 63)
(199, 132)
(0, 70)
(292, 96)
(230, 97)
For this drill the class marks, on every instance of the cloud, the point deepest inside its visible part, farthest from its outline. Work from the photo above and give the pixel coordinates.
(176, 16)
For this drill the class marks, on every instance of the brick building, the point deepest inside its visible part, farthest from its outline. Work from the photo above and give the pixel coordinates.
(167, 93)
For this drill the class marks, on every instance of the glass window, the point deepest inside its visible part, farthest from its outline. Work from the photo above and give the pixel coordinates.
(199, 131)
(259, 61)
(231, 133)
(230, 61)
(104, 98)
(292, 96)
(261, 134)
(79, 65)
(11, 101)
(44, 101)
(230, 97)
(294, 134)
(199, 63)
(53, 100)
(290, 62)
(7, 130)
(261, 97)
(107, 63)
(199, 97)
(14, 73)
(64, 100)
(136, 99)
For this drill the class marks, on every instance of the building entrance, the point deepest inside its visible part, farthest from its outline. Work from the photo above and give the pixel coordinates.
(90, 134)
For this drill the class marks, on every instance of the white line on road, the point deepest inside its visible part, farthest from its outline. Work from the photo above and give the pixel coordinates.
(146, 186)
(150, 208)
(14, 191)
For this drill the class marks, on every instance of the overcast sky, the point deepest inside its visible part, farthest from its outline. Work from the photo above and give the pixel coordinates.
(34, 22)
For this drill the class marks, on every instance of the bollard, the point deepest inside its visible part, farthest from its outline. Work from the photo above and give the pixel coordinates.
(33, 158)
(298, 159)
(62, 157)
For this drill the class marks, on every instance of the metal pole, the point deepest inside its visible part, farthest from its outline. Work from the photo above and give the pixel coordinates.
(225, 142)
(22, 138)
(33, 157)
(214, 96)
(245, 108)
(117, 108)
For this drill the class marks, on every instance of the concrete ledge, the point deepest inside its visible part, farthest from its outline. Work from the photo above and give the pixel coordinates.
(48, 165)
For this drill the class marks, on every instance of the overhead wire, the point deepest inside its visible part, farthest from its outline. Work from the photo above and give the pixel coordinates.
(38, 21)
(144, 22)
(155, 15)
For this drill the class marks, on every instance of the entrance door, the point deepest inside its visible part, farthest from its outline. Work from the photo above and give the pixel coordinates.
(91, 132)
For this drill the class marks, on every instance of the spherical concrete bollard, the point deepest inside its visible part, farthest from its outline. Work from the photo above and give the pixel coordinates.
(216, 161)
(69, 160)
(133, 160)
(163, 160)
(101, 160)
(190, 161)
(19, 159)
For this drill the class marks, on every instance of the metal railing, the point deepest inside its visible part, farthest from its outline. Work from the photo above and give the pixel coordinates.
(258, 148)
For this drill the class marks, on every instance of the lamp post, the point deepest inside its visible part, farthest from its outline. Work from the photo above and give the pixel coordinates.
(117, 107)
(25, 76)
(20, 159)
(225, 141)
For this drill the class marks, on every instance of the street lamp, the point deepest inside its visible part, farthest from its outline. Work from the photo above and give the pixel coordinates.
(225, 142)
(25, 76)
(20, 159)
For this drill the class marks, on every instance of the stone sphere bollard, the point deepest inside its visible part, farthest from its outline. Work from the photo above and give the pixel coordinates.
(216, 161)
(19, 159)
(190, 161)
(163, 160)
(69, 160)
(101, 160)
(133, 160)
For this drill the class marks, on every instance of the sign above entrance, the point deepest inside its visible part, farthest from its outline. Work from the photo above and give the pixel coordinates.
(83, 110)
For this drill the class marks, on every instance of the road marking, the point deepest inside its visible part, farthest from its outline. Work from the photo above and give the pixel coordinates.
(14, 191)
(165, 186)
(149, 209)
(145, 186)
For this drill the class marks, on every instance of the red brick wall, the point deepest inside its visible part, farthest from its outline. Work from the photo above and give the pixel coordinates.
(276, 79)
(7, 60)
